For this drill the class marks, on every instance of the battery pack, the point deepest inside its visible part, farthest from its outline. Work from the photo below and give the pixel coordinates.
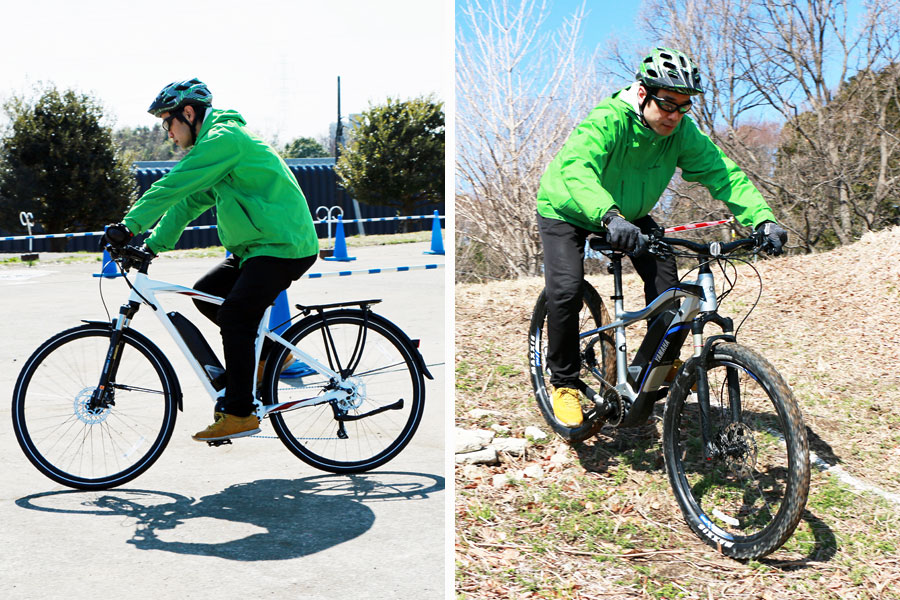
(200, 349)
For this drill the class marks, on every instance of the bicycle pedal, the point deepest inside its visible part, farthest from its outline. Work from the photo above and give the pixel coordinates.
(218, 442)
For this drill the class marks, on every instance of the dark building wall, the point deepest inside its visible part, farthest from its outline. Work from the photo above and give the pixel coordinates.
(317, 180)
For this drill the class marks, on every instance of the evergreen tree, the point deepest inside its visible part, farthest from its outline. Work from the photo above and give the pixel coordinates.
(395, 157)
(59, 162)
(304, 147)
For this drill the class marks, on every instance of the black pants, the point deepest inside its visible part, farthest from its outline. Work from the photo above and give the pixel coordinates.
(248, 290)
(563, 273)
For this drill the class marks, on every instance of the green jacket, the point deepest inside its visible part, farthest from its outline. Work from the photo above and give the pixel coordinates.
(260, 208)
(612, 159)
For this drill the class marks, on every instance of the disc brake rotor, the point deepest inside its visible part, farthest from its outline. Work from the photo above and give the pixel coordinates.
(738, 447)
(84, 413)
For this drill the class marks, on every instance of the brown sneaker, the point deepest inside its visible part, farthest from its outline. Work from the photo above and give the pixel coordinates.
(227, 427)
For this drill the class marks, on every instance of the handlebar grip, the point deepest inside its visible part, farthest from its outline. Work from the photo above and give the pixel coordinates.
(599, 244)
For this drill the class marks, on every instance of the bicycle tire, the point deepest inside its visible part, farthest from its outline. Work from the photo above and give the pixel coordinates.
(594, 311)
(87, 450)
(388, 371)
(729, 501)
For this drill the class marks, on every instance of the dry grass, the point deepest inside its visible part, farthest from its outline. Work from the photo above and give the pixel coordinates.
(602, 522)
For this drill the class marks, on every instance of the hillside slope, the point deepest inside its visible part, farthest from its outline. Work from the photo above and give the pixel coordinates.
(830, 323)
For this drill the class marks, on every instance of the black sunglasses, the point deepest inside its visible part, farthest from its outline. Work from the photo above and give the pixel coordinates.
(670, 107)
(167, 122)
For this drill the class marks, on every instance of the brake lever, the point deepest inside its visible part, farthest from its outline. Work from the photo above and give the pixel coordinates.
(658, 248)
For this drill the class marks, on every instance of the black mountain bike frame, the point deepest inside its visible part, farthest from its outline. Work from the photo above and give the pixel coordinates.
(685, 308)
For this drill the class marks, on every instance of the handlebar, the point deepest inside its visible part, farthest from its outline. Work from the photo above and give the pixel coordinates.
(659, 245)
(130, 257)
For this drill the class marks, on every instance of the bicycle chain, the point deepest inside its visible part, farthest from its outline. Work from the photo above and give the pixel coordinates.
(612, 395)
(275, 437)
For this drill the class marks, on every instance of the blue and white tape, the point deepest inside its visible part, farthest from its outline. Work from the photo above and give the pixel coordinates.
(48, 236)
(371, 271)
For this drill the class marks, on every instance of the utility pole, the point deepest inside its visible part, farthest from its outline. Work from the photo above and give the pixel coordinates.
(339, 128)
(338, 140)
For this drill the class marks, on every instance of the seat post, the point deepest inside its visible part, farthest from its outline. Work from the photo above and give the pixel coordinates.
(615, 267)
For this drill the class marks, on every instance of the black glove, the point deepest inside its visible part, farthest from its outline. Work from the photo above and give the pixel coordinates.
(773, 235)
(116, 235)
(621, 234)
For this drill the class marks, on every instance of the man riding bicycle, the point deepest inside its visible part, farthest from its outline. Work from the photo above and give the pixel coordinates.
(607, 177)
(263, 220)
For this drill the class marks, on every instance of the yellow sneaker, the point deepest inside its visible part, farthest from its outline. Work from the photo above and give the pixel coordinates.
(227, 427)
(567, 407)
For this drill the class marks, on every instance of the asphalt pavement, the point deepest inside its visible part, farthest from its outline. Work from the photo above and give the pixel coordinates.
(247, 520)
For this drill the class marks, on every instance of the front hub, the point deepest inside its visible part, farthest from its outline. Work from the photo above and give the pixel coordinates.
(85, 412)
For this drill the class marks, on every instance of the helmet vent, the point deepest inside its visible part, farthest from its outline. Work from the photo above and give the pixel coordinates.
(670, 69)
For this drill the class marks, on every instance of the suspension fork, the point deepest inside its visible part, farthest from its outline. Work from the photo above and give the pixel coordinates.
(103, 394)
(702, 350)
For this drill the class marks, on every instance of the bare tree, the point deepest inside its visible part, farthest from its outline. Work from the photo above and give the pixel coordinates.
(832, 174)
(519, 94)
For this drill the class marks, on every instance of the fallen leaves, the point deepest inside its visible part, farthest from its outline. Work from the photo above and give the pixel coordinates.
(829, 323)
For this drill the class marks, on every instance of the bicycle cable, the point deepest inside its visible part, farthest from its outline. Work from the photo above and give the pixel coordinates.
(731, 282)
(758, 293)
(100, 289)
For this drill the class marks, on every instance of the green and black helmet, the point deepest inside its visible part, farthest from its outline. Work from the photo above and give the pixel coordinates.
(180, 93)
(671, 70)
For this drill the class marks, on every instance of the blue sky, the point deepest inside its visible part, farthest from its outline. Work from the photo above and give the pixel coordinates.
(613, 18)
(605, 19)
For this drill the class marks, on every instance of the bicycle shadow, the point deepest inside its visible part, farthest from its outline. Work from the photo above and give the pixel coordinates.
(823, 549)
(291, 518)
(640, 449)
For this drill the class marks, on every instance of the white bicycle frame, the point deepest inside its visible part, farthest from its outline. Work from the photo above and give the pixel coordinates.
(144, 291)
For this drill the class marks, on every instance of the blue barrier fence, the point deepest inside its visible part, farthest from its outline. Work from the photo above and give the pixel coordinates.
(52, 236)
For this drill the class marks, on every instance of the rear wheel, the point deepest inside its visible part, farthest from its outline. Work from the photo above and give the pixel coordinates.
(376, 420)
(746, 497)
(85, 447)
(599, 348)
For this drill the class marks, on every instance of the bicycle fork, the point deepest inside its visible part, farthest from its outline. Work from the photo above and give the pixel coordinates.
(103, 395)
(712, 448)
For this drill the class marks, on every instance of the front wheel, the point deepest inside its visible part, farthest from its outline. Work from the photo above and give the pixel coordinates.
(84, 446)
(377, 420)
(744, 495)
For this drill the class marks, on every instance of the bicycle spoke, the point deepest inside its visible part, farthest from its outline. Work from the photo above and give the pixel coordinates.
(76, 442)
(385, 371)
